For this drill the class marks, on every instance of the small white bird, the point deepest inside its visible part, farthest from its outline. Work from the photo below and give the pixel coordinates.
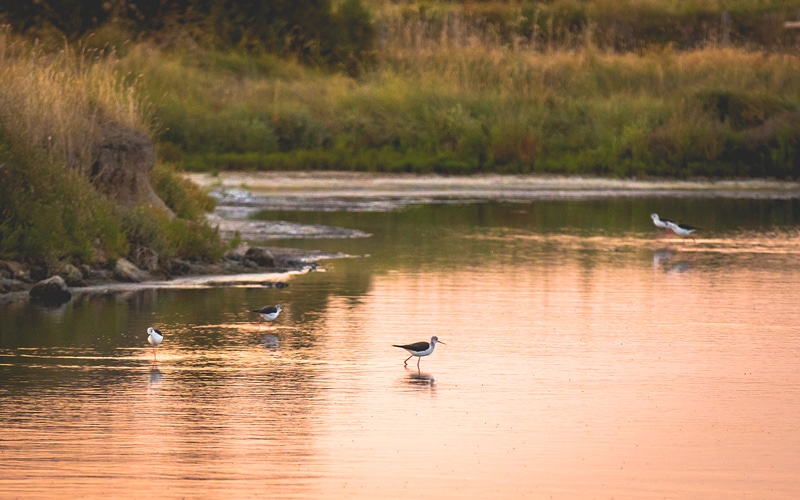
(154, 337)
(683, 230)
(662, 223)
(268, 313)
(419, 349)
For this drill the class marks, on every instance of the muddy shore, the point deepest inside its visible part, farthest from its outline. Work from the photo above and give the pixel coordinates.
(375, 192)
(272, 269)
(241, 194)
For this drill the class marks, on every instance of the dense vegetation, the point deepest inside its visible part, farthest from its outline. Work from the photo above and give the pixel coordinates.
(309, 30)
(600, 87)
(53, 108)
(623, 88)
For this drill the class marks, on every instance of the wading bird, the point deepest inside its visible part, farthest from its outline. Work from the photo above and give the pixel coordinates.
(268, 313)
(662, 223)
(419, 349)
(683, 230)
(154, 337)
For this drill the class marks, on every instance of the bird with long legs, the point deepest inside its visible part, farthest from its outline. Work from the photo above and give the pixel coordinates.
(661, 223)
(154, 338)
(419, 349)
(268, 314)
(683, 230)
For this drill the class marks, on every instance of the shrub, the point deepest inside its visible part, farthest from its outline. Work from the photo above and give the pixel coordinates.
(53, 108)
(49, 214)
(183, 197)
(739, 109)
(147, 227)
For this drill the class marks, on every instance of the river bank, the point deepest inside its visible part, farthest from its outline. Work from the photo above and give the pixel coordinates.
(245, 266)
(256, 263)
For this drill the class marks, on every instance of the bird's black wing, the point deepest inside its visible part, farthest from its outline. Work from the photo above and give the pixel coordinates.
(416, 346)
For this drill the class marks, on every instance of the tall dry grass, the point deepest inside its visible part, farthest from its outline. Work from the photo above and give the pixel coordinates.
(59, 103)
(490, 86)
(479, 107)
(624, 25)
(54, 108)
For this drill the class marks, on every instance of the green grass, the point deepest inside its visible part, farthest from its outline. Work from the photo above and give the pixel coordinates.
(497, 87)
(53, 110)
(483, 109)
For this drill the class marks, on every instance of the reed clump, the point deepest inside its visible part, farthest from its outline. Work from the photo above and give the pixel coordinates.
(58, 102)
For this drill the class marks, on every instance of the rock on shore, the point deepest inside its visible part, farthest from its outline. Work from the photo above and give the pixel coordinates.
(58, 288)
(52, 291)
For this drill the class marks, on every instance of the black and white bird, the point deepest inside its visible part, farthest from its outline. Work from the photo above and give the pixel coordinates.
(154, 337)
(683, 230)
(419, 349)
(661, 223)
(268, 313)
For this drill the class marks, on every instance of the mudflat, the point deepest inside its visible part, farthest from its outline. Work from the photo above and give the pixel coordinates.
(371, 191)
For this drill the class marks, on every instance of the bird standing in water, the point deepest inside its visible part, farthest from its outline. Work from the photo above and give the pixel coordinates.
(683, 230)
(662, 223)
(154, 337)
(419, 349)
(268, 313)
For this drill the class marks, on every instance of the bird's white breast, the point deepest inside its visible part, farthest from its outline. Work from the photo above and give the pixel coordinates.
(154, 338)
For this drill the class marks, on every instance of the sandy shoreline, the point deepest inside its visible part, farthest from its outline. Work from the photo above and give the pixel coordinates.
(241, 194)
(361, 185)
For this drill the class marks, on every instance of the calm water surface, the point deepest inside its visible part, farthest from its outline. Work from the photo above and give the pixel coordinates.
(585, 358)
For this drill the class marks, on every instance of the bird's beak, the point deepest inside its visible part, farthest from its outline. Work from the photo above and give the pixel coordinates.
(440, 342)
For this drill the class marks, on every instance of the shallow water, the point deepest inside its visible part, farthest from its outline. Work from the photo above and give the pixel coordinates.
(585, 357)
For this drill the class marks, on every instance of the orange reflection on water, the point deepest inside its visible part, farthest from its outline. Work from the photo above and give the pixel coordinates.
(593, 374)
(205, 429)
(575, 382)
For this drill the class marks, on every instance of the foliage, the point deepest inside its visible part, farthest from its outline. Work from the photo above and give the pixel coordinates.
(182, 196)
(172, 237)
(53, 109)
(618, 25)
(49, 214)
(483, 109)
(310, 30)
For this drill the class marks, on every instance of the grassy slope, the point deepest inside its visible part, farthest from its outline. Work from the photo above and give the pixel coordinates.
(454, 93)
(53, 108)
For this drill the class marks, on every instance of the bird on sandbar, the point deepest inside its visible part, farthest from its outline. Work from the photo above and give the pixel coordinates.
(419, 349)
(154, 337)
(683, 230)
(662, 223)
(268, 313)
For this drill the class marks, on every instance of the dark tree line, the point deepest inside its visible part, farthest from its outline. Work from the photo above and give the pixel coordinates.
(310, 30)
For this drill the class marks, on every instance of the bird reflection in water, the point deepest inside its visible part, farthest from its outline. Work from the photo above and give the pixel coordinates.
(154, 380)
(664, 259)
(419, 379)
(270, 342)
